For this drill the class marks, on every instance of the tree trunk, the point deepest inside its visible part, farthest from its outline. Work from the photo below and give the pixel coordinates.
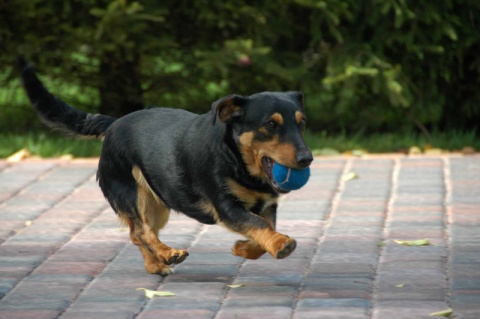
(120, 86)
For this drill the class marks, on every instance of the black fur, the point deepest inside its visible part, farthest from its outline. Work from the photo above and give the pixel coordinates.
(58, 114)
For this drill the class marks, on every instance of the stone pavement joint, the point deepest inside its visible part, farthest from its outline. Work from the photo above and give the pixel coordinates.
(63, 253)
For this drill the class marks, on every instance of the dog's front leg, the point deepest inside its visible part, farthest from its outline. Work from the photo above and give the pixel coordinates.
(261, 233)
(249, 248)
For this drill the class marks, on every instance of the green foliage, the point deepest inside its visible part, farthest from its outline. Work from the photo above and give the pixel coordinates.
(388, 64)
(365, 66)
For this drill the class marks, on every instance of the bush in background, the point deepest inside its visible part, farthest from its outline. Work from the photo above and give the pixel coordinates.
(365, 66)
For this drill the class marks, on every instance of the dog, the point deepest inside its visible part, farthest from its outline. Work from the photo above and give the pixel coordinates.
(214, 167)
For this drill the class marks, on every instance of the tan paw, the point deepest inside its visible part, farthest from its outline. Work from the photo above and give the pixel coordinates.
(284, 247)
(175, 257)
(247, 249)
(159, 269)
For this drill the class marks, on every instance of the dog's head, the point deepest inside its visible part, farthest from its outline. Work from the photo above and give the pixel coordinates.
(267, 128)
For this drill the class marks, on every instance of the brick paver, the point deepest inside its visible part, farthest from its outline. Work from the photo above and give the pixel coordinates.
(64, 255)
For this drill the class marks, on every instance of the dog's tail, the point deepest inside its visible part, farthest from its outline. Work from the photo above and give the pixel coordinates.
(58, 114)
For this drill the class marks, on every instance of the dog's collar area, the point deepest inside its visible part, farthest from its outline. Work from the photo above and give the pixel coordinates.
(268, 163)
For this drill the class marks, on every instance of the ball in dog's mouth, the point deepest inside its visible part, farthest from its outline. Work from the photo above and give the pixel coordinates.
(268, 164)
(283, 178)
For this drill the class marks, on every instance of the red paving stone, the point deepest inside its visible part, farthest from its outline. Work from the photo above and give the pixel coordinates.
(63, 253)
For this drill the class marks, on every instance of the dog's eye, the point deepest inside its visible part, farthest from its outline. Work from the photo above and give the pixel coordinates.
(272, 124)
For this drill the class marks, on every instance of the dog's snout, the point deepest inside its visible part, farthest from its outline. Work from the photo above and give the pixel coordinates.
(304, 158)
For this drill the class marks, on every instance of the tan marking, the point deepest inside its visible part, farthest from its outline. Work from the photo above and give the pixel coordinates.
(278, 118)
(252, 152)
(227, 110)
(208, 208)
(149, 205)
(250, 155)
(153, 265)
(263, 130)
(248, 249)
(125, 220)
(248, 196)
(144, 231)
(268, 239)
(299, 117)
(142, 182)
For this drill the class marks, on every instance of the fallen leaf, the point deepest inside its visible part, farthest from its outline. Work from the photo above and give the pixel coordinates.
(444, 313)
(349, 176)
(236, 286)
(400, 285)
(468, 150)
(414, 150)
(152, 293)
(359, 153)
(66, 157)
(434, 151)
(418, 242)
(19, 155)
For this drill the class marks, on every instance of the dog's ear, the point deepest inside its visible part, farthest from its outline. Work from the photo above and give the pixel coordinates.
(298, 96)
(228, 108)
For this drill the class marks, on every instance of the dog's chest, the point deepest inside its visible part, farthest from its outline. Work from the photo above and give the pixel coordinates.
(252, 200)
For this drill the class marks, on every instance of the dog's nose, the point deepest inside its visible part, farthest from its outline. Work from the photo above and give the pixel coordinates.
(304, 158)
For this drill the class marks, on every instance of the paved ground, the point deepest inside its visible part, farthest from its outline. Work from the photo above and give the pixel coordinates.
(63, 254)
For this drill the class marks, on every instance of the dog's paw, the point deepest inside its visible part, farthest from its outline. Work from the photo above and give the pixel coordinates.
(247, 249)
(285, 248)
(176, 257)
(159, 269)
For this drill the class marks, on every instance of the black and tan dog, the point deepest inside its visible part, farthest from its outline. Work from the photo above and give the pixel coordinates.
(215, 167)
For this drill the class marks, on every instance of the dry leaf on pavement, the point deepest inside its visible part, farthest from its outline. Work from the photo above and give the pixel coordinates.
(444, 313)
(349, 176)
(236, 286)
(151, 293)
(418, 242)
(19, 155)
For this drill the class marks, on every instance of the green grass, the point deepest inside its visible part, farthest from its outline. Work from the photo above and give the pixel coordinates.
(54, 144)
(392, 142)
(48, 145)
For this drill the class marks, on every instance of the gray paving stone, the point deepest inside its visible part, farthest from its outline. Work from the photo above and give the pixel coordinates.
(331, 313)
(75, 261)
(339, 270)
(260, 295)
(407, 309)
(270, 312)
(331, 302)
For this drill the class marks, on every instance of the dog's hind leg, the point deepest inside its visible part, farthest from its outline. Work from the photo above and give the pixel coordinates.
(144, 230)
(152, 263)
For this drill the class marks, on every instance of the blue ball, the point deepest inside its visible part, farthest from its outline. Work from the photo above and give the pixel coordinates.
(289, 178)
